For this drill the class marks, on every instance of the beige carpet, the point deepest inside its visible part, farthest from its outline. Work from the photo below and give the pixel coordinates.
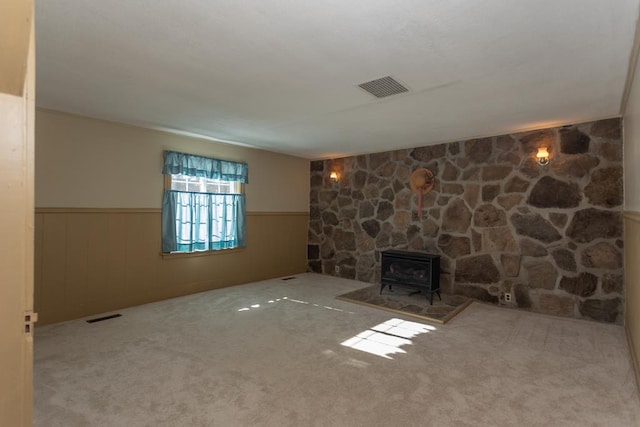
(405, 301)
(286, 353)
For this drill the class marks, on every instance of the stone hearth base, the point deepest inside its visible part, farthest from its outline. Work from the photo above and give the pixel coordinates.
(398, 300)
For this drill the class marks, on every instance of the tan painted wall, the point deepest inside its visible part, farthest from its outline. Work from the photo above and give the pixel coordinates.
(98, 193)
(16, 18)
(17, 77)
(631, 123)
(83, 162)
(632, 273)
(91, 261)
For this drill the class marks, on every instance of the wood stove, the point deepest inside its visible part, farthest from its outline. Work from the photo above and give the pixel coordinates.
(417, 270)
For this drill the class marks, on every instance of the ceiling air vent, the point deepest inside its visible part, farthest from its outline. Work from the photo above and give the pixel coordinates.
(385, 86)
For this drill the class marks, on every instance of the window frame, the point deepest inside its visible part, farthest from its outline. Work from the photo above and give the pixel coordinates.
(234, 185)
(226, 204)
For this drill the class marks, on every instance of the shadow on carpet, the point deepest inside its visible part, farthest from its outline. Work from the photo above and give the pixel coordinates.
(398, 300)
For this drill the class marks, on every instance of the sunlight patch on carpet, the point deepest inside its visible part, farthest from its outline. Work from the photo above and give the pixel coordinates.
(287, 299)
(387, 338)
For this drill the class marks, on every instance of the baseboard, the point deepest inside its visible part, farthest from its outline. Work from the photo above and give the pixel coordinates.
(634, 357)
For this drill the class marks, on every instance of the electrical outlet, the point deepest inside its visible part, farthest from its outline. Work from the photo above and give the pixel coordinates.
(507, 297)
(337, 269)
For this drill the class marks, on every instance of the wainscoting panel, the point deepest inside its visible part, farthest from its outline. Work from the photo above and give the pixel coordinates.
(90, 261)
(632, 284)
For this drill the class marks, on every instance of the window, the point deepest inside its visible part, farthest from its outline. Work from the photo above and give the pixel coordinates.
(204, 206)
(203, 185)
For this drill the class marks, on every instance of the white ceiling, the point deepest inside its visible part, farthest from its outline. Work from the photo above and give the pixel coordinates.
(282, 74)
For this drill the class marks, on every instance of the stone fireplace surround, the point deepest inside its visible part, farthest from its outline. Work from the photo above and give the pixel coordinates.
(550, 235)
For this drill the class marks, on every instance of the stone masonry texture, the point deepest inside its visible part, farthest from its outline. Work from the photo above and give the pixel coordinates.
(549, 235)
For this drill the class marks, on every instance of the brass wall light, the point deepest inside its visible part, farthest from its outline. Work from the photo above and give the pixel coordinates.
(543, 156)
(333, 176)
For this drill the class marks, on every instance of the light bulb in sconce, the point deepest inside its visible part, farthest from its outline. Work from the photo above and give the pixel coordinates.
(542, 156)
(333, 176)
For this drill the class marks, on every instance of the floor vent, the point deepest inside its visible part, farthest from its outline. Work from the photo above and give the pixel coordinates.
(100, 319)
(289, 278)
(383, 87)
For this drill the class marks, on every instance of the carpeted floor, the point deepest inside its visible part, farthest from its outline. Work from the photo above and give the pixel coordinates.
(287, 353)
(405, 301)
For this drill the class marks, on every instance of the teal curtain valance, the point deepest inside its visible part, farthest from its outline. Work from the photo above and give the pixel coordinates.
(187, 164)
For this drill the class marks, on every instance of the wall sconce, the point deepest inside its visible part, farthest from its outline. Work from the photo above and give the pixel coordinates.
(542, 156)
(333, 176)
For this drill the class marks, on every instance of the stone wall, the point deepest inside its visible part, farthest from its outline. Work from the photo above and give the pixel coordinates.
(549, 235)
